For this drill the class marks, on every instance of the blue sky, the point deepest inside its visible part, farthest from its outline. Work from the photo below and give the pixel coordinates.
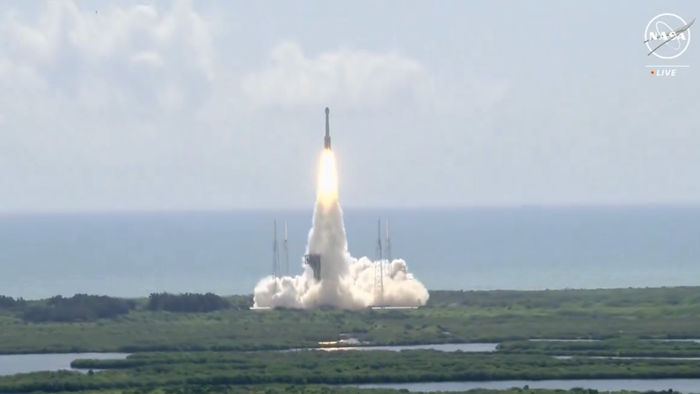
(219, 105)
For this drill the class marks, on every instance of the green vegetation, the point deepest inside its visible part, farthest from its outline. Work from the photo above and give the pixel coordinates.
(9, 303)
(600, 300)
(193, 343)
(319, 389)
(449, 317)
(606, 348)
(335, 368)
(80, 307)
(87, 308)
(187, 303)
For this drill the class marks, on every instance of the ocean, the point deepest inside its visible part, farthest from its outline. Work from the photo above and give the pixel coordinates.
(134, 254)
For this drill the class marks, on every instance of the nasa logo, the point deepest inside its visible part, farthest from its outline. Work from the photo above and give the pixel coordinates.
(659, 30)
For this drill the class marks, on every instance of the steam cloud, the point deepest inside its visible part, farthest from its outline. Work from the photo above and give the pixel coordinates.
(346, 282)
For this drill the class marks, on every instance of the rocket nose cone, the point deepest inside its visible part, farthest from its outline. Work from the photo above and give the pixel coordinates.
(327, 111)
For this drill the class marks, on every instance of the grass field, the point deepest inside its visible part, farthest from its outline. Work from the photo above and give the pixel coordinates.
(450, 317)
(313, 389)
(200, 352)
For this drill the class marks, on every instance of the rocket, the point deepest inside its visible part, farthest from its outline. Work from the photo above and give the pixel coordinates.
(327, 138)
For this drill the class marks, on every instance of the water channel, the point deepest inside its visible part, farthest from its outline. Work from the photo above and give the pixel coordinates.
(685, 386)
(25, 363)
(452, 347)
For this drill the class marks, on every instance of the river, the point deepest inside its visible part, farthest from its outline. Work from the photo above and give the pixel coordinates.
(451, 347)
(24, 363)
(685, 386)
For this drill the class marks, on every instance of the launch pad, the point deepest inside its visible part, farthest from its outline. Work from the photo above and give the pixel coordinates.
(383, 258)
(304, 292)
(391, 307)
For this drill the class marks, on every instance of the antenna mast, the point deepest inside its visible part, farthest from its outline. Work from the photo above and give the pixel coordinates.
(275, 255)
(379, 270)
(286, 250)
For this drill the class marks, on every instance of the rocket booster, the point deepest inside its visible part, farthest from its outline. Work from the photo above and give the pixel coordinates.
(327, 138)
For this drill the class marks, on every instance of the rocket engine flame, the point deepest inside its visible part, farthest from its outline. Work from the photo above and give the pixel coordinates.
(327, 178)
(346, 282)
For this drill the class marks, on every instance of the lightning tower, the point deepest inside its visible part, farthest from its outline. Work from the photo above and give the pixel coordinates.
(388, 242)
(286, 251)
(379, 270)
(275, 254)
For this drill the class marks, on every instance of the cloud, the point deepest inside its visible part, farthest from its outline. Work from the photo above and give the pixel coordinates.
(69, 46)
(141, 104)
(344, 77)
(107, 85)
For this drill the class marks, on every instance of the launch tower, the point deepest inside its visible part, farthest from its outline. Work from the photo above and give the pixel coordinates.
(379, 270)
(286, 251)
(388, 242)
(275, 254)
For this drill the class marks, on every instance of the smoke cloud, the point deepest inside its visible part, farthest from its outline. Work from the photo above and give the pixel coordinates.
(346, 282)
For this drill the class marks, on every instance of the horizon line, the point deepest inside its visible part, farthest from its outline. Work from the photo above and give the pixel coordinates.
(354, 208)
(558, 289)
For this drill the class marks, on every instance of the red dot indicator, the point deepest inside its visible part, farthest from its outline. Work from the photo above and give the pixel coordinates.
(652, 72)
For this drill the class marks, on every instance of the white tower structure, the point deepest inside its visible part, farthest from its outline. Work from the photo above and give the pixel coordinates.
(275, 254)
(286, 251)
(388, 242)
(379, 270)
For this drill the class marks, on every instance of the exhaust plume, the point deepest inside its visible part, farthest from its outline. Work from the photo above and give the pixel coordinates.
(346, 282)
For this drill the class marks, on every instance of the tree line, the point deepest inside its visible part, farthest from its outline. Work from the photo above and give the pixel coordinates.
(187, 302)
(87, 307)
(11, 303)
(80, 307)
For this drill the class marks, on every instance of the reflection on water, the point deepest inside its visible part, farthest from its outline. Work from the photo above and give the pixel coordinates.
(565, 340)
(349, 341)
(629, 358)
(453, 347)
(25, 363)
(679, 385)
(675, 340)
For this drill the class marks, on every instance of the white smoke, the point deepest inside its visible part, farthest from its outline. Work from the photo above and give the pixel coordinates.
(346, 282)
